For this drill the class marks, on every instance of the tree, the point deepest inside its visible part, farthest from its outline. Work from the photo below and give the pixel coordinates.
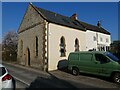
(9, 46)
(115, 48)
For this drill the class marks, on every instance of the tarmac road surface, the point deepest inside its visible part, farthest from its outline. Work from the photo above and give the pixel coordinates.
(31, 78)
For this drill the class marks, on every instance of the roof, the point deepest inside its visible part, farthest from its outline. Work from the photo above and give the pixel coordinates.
(93, 28)
(60, 19)
(67, 21)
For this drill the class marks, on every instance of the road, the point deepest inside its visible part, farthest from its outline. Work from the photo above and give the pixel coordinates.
(30, 78)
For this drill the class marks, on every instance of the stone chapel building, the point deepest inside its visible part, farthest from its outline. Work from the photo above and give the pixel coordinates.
(45, 38)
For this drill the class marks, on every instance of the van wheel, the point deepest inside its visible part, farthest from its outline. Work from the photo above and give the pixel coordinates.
(75, 71)
(116, 78)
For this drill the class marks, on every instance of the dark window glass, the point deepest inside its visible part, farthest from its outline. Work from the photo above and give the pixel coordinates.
(101, 58)
(86, 57)
(2, 71)
(74, 56)
(36, 46)
(76, 44)
(62, 47)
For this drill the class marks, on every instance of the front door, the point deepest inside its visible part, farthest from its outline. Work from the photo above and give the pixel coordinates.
(27, 57)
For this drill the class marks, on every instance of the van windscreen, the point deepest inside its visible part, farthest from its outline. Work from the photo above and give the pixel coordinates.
(111, 56)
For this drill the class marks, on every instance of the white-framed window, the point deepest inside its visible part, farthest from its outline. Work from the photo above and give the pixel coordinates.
(94, 38)
(107, 40)
(101, 39)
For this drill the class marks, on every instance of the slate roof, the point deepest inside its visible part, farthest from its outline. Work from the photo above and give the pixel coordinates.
(93, 28)
(67, 21)
(60, 19)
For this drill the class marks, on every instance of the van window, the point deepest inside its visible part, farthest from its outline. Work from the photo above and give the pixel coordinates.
(85, 57)
(74, 57)
(101, 58)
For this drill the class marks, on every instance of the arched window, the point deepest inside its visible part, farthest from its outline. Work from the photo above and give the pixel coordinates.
(21, 48)
(94, 38)
(62, 47)
(36, 46)
(76, 45)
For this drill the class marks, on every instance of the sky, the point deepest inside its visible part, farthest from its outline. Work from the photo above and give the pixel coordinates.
(89, 12)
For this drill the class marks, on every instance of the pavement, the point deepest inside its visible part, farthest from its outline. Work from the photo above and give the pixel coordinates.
(15, 64)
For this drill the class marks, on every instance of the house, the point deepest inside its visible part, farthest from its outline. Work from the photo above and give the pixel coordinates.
(45, 38)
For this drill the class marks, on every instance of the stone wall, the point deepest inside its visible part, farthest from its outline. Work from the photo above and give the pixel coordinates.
(32, 26)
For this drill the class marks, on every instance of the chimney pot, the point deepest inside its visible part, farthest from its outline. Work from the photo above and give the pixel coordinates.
(74, 16)
(99, 24)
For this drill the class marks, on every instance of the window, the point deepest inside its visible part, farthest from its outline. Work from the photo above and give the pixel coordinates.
(36, 45)
(85, 57)
(101, 39)
(62, 47)
(76, 44)
(111, 56)
(21, 48)
(106, 39)
(94, 38)
(101, 58)
(2, 71)
(74, 56)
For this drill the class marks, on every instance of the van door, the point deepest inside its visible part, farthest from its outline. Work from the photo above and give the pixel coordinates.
(85, 62)
(91, 64)
(104, 65)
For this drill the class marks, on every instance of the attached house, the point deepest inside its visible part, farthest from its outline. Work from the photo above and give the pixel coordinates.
(46, 38)
(97, 38)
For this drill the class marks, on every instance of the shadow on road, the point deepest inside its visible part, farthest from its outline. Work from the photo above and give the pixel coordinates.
(108, 79)
(51, 82)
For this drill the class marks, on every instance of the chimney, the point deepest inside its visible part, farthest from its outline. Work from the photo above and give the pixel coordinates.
(74, 16)
(99, 24)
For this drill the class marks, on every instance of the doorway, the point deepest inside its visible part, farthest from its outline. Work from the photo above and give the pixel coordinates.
(27, 57)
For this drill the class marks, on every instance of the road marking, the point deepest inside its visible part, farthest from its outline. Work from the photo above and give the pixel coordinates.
(21, 80)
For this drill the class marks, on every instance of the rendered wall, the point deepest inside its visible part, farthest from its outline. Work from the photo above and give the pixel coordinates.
(70, 34)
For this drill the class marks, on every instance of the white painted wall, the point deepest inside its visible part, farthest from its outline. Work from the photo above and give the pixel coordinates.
(70, 34)
(104, 37)
(90, 43)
